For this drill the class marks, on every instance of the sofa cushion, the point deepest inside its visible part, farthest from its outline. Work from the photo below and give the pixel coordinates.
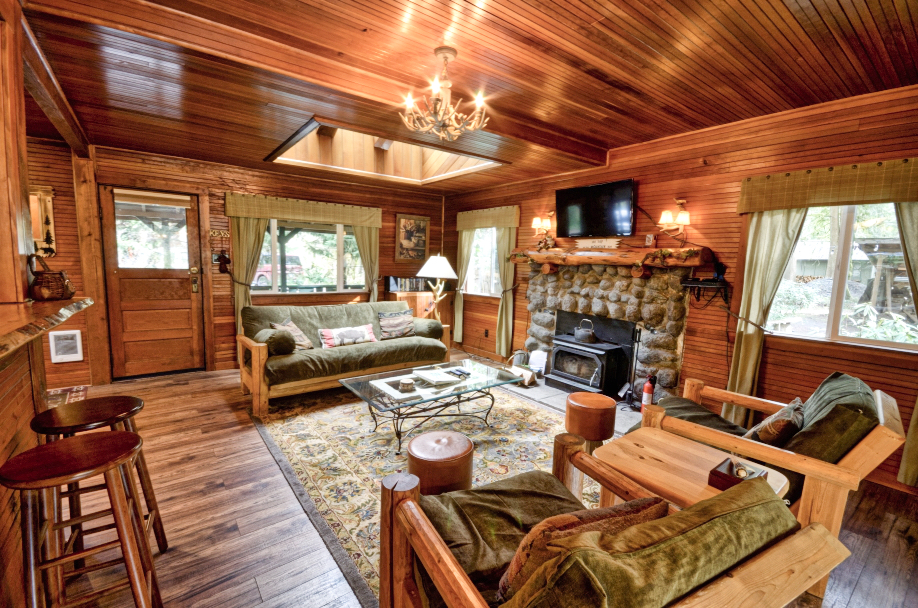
(317, 363)
(311, 319)
(686, 409)
(651, 564)
(428, 328)
(346, 336)
(534, 550)
(396, 324)
(279, 341)
(778, 428)
(301, 339)
(484, 526)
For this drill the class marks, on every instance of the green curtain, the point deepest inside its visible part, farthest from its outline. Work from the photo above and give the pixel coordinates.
(466, 237)
(772, 237)
(368, 244)
(506, 241)
(247, 235)
(907, 217)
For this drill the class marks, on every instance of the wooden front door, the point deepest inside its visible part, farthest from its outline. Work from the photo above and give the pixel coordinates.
(154, 287)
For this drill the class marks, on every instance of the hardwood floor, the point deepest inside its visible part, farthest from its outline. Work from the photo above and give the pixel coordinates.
(239, 538)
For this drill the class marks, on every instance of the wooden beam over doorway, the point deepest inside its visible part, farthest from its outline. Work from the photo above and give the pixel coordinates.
(45, 89)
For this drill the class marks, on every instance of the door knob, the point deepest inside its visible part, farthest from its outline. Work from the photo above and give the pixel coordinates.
(193, 270)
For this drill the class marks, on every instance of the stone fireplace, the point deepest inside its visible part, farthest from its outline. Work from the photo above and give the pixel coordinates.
(657, 305)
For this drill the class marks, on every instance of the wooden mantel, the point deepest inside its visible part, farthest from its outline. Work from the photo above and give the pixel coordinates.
(22, 323)
(687, 256)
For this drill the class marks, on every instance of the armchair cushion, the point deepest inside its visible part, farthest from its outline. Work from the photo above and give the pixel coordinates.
(780, 427)
(653, 563)
(688, 410)
(484, 526)
(534, 550)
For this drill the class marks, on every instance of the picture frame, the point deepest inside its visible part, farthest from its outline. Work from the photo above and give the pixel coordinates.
(66, 345)
(412, 238)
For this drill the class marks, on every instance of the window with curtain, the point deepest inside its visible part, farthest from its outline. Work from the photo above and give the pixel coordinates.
(483, 276)
(847, 280)
(299, 257)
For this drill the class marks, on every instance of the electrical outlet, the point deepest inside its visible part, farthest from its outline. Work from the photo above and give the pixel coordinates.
(649, 240)
(486, 333)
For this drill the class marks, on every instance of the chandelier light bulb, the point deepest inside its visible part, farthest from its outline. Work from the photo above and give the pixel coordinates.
(479, 100)
(435, 86)
(409, 103)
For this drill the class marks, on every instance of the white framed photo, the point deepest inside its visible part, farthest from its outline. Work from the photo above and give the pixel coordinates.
(66, 345)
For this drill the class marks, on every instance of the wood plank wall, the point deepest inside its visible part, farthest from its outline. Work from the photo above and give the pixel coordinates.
(706, 168)
(141, 170)
(50, 165)
(16, 410)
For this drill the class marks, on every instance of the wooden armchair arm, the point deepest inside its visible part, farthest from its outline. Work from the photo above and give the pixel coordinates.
(836, 474)
(696, 391)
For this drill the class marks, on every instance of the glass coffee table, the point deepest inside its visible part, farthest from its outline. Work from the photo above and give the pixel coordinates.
(468, 396)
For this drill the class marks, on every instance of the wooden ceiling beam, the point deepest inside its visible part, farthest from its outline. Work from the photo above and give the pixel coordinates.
(291, 141)
(382, 143)
(45, 89)
(326, 131)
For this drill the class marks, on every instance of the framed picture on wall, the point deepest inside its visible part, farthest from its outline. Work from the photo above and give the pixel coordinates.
(66, 345)
(412, 238)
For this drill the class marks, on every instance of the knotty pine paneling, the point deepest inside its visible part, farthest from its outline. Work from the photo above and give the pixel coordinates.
(49, 165)
(706, 167)
(16, 410)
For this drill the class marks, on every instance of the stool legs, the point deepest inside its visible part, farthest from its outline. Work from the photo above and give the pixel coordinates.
(149, 496)
(133, 561)
(30, 548)
(53, 546)
(140, 531)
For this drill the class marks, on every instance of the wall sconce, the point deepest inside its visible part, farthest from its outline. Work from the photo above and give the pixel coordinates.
(542, 226)
(667, 224)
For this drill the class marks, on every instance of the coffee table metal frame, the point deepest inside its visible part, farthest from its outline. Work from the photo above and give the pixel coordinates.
(384, 408)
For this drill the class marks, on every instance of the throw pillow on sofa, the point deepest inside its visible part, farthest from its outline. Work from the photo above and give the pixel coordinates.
(778, 428)
(533, 551)
(396, 324)
(279, 341)
(298, 336)
(343, 336)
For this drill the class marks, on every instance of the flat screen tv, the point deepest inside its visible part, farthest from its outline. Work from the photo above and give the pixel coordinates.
(596, 211)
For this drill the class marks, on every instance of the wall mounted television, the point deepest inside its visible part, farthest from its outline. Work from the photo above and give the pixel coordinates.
(596, 211)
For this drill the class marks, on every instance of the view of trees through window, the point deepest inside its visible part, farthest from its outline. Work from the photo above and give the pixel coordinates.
(308, 258)
(151, 236)
(859, 245)
(484, 276)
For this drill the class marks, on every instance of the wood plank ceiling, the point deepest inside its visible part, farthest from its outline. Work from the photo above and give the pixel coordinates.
(565, 80)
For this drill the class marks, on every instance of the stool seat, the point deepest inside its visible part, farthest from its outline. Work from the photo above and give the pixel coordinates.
(86, 415)
(442, 461)
(69, 460)
(592, 416)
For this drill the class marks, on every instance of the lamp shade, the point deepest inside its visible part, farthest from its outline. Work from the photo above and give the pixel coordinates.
(667, 217)
(537, 223)
(683, 218)
(437, 267)
(546, 224)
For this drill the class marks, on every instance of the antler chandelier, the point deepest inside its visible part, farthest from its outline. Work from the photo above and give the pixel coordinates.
(440, 117)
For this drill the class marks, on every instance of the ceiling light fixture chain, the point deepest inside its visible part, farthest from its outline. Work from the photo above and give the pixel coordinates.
(440, 116)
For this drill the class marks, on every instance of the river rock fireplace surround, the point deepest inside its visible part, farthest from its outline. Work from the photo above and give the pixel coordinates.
(656, 305)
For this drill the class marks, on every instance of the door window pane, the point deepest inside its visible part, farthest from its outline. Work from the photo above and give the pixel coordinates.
(151, 236)
(801, 305)
(483, 275)
(878, 302)
(353, 267)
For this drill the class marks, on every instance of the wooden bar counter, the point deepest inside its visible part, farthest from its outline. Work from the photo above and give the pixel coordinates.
(22, 395)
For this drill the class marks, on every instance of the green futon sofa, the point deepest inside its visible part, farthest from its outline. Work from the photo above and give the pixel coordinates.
(265, 374)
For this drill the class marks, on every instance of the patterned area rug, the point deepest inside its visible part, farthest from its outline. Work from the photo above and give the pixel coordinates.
(328, 440)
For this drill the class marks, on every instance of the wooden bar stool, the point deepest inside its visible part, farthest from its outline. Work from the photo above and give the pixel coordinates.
(592, 416)
(38, 474)
(116, 412)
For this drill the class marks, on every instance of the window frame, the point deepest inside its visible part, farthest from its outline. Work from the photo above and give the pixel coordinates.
(839, 282)
(465, 291)
(275, 273)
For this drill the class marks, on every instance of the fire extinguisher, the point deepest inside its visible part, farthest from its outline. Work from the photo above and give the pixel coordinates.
(647, 396)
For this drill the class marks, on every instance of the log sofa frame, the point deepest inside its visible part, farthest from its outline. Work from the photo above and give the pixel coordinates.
(770, 579)
(253, 380)
(826, 485)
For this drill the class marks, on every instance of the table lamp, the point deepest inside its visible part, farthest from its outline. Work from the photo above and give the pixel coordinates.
(437, 267)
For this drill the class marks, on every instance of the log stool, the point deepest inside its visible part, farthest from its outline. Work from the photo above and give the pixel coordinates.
(442, 461)
(592, 416)
(117, 413)
(38, 474)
